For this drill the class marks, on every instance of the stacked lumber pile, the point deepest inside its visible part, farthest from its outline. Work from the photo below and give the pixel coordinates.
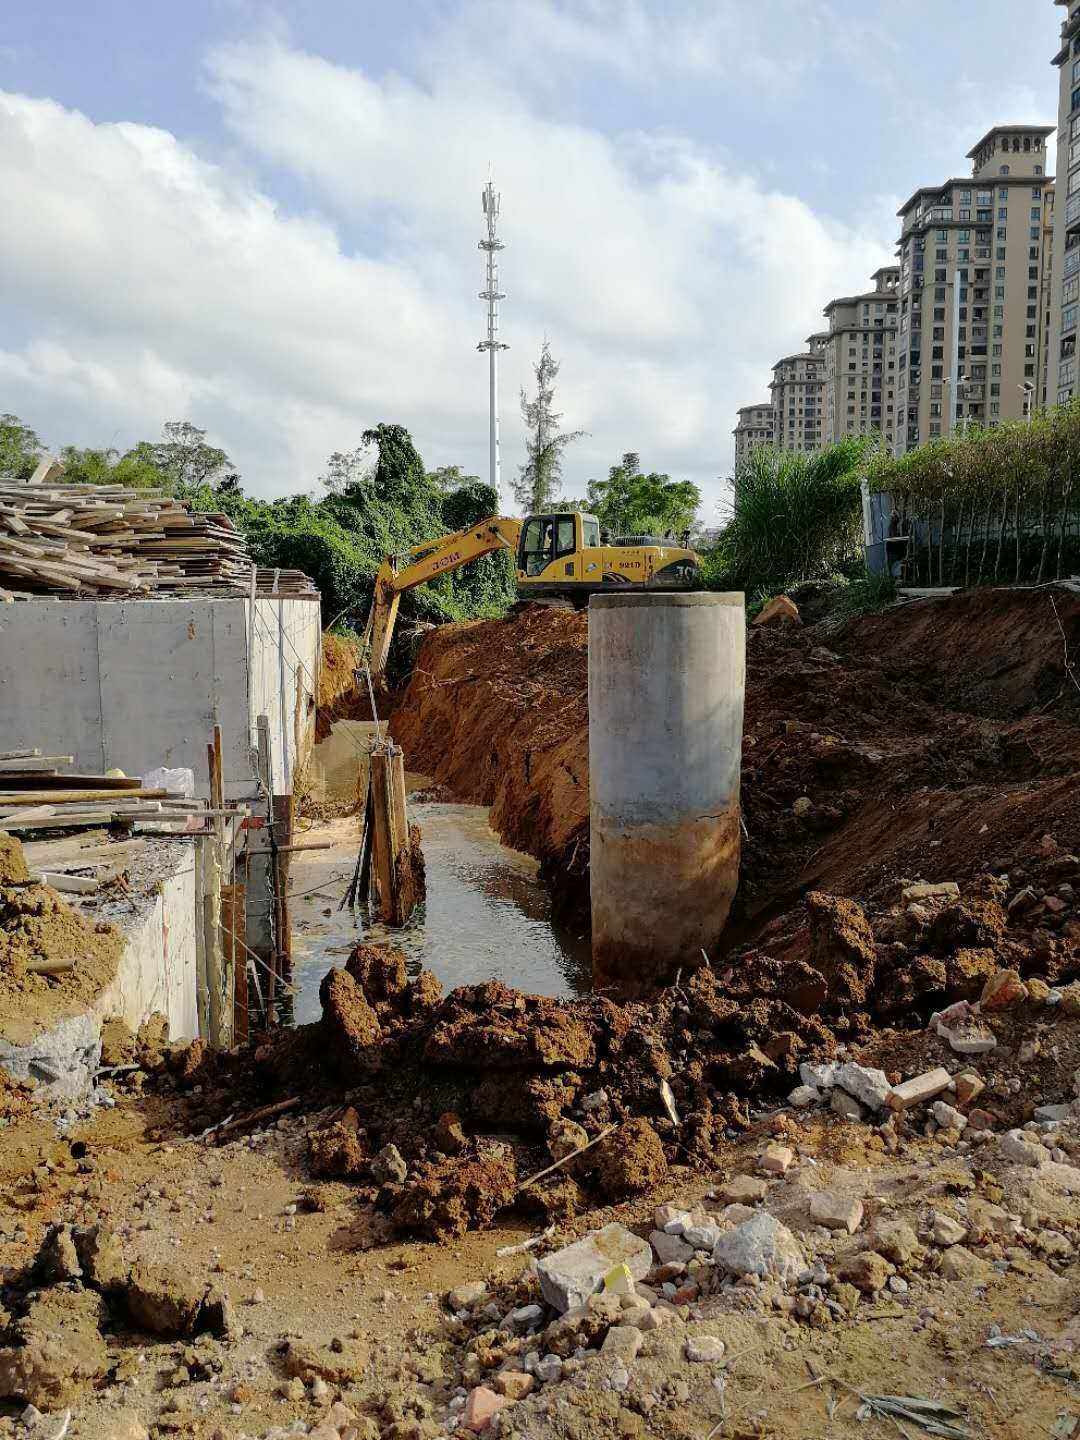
(98, 540)
(37, 794)
(286, 584)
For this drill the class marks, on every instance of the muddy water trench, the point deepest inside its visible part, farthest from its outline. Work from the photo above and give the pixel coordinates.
(487, 915)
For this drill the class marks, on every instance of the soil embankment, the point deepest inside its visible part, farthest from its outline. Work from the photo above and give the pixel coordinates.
(498, 713)
(883, 749)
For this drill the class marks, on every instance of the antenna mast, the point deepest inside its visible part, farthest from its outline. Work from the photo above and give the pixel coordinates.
(491, 201)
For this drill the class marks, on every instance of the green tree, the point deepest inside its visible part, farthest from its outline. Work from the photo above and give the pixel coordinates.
(109, 467)
(538, 480)
(184, 460)
(346, 469)
(20, 448)
(448, 478)
(629, 502)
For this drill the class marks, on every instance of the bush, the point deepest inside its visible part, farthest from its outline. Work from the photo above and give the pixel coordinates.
(794, 517)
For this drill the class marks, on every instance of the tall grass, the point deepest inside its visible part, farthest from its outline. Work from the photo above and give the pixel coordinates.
(793, 517)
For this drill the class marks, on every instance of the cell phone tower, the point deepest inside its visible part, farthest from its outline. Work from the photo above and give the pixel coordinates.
(492, 244)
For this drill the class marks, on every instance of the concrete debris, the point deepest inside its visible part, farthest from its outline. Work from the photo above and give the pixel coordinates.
(1020, 1148)
(870, 1087)
(836, 1211)
(570, 1276)
(761, 1246)
(947, 1116)
(919, 1089)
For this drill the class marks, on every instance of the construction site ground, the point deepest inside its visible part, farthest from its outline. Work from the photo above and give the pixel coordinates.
(308, 1257)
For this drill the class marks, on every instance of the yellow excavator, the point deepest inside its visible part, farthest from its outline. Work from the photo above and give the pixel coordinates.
(559, 557)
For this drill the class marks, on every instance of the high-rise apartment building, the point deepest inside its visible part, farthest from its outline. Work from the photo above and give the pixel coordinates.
(1061, 384)
(755, 428)
(860, 361)
(972, 291)
(798, 393)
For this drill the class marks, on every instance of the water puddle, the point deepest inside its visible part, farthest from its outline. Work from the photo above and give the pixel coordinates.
(487, 915)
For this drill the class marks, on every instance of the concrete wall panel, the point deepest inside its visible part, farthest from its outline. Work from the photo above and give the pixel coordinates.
(139, 684)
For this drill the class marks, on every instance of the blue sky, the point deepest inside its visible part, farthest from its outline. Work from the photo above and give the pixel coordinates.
(264, 218)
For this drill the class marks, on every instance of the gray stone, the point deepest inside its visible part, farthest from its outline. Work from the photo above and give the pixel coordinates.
(870, 1087)
(947, 1116)
(389, 1166)
(549, 1369)
(526, 1317)
(669, 1248)
(947, 1231)
(623, 1341)
(761, 1246)
(1053, 1114)
(1018, 1148)
(803, 1096)
(846, 1106)
(570, 1276)
(705, 1350)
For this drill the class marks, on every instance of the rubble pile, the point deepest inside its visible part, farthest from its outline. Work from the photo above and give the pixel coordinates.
(479, 1090)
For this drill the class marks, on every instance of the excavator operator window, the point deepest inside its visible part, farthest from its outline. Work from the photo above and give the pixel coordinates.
(537, 545)
(565, 541)
(590, 531)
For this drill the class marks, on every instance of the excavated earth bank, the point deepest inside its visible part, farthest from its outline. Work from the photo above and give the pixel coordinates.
(880, 750)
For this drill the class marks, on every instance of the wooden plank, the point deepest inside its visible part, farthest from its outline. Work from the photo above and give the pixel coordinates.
(234, 935)
(13, 780)
(37, 762)
(73, 797)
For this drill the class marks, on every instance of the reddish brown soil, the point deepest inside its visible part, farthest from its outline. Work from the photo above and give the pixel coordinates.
(908, 732)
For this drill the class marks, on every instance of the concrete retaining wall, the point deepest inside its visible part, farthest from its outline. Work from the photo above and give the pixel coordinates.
(140, 683)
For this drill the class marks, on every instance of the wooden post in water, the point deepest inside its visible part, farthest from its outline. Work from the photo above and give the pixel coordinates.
(391, 859)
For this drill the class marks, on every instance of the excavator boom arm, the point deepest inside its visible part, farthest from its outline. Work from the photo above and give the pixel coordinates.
(424, 562)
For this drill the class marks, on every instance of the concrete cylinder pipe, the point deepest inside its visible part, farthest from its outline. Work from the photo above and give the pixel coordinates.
(667, 675)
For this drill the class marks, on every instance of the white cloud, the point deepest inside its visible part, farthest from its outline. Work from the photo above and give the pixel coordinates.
(158, 285)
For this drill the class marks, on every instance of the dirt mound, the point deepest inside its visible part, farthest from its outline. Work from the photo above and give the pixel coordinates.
(12, 861)
(990, 652)
(521, 1073)
(37, 928)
